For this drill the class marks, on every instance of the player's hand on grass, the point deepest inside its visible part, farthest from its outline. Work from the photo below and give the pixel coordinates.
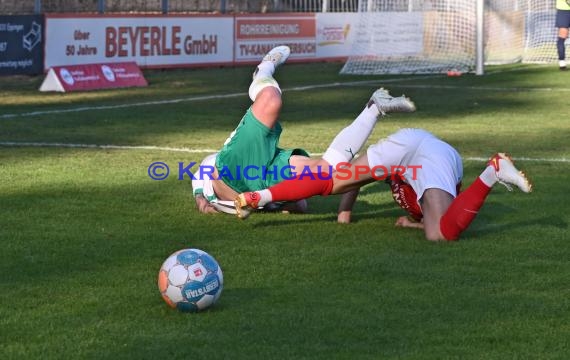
(204, 205)
(344, 217)
(404, 221)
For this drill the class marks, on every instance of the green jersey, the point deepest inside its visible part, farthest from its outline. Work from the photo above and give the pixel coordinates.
(251, 158)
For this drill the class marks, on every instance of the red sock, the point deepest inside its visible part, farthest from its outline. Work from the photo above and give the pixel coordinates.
(302, 187)
(463, 210)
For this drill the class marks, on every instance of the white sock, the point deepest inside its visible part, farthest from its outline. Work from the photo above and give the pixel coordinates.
(350, 140)
(265, 69)
(488, 176)
(265, 197)
(262, 79)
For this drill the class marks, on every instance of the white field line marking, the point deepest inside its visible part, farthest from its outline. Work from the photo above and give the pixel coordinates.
(521, 158)
(299, 88)
(188, 99)
(104, 147)
(207, 151)
(119, 106)
(487, 88)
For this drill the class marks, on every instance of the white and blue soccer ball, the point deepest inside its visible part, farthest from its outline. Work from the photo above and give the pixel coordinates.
(190, 280)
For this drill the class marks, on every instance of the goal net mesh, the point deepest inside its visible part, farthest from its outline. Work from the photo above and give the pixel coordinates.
(435, 36)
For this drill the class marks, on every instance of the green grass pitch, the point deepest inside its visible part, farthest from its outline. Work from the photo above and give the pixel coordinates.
(84, 231)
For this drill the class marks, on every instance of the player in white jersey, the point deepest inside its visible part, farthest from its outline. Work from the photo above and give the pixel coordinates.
(427, 162)
(424, 173)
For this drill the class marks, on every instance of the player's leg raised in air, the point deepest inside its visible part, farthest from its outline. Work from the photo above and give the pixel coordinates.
(344, 146)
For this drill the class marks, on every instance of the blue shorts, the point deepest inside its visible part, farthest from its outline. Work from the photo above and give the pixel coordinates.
(563, 19)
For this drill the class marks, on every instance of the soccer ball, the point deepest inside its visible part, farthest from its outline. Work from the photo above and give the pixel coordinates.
(190, 280)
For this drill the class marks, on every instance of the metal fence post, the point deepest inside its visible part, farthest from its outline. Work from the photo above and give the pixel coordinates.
(480, 38)
(37, 6)
(101, 6)
(165, 6)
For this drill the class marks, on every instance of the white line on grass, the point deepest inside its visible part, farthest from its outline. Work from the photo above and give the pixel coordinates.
(486, 88)
(206, 151)
(104, 147)
(120, 106)
(188, 99)
(521, 158)
(299, 88)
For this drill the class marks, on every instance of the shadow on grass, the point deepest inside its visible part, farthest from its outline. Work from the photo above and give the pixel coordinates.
(141, 125)
(556, 222)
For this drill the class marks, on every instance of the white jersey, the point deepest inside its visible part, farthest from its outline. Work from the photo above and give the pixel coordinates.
(441, 166)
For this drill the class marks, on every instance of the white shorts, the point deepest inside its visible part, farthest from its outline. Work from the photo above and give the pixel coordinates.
(441, 166)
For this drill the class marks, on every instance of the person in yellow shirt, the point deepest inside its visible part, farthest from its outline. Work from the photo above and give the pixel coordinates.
(562, 23)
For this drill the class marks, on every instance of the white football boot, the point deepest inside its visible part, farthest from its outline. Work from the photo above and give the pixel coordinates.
(387, 104)
(263, 77)
(278, 55)
(507, 174)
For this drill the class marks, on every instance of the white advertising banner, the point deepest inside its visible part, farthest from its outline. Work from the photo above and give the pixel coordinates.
(335, 34)
(161, 41)
(150, 41)
(388, 34)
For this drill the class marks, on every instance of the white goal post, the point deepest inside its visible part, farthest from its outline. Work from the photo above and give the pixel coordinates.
(435, 36)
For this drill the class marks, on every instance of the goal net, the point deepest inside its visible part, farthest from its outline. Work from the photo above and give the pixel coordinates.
(435, 36)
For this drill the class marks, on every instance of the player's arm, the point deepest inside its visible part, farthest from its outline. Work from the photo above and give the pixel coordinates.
(408, 222)
(345, 207)
(203, 205)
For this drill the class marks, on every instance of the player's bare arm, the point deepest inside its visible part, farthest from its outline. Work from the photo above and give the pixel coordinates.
(345, 207)
(407, 222)
(204, 205)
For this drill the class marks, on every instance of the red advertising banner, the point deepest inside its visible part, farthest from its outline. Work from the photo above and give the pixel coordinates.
(275, 27)
(256, 34)
(93, 76)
